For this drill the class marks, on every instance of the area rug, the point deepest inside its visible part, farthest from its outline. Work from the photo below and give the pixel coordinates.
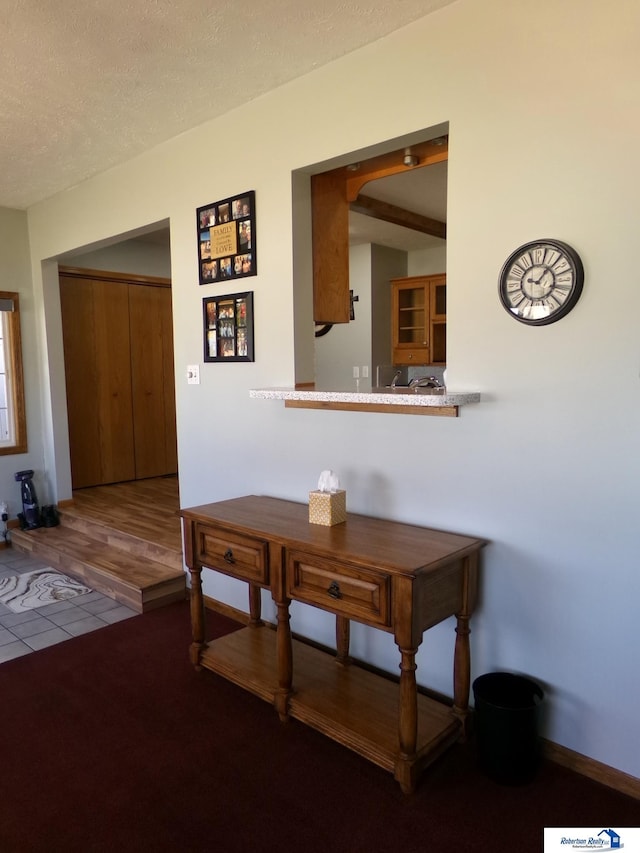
(37, 589)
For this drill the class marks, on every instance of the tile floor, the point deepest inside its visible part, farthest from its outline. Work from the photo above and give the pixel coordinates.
(22, 633)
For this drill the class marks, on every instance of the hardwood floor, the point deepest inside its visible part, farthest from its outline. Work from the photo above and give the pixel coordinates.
(148, 509)
(123, 540)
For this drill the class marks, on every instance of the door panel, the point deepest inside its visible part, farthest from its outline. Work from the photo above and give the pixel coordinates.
(98, 377)
(152, 378)
(118, 351)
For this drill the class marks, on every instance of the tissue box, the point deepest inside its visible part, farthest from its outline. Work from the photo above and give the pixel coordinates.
(328, 508)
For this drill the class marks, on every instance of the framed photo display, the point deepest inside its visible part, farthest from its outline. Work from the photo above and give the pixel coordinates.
(228, 327)
(227, 238)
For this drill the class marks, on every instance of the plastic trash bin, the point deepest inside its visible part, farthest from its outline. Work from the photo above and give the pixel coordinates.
(507, 711)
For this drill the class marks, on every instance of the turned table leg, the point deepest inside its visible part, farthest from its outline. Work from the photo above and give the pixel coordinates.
(197, 616)
(343, 637)
(407, 721)
(462, 671)
(255, 606)
(285, 660)
(462, 653)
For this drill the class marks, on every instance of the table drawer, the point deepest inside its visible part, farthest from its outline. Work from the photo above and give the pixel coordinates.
(240, 556)
(341, 588)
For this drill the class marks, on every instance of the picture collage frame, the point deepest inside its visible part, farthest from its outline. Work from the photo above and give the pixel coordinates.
(228, 327)
(227, 239)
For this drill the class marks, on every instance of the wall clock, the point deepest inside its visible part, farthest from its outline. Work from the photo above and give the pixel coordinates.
(541, 282)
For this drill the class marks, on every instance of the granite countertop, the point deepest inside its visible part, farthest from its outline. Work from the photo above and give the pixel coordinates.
(398, 396)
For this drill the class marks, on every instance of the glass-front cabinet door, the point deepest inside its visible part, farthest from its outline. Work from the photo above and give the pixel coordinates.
(438, 319)
(418, 316)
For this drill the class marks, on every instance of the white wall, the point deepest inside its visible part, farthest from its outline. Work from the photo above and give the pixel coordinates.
(348, 345)
(542, 100)
(131, 256)
(385, 264)
(428, 261)
(15, 276)
(364, 342)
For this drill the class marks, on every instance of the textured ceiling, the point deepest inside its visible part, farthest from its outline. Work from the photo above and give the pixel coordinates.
(88, 84)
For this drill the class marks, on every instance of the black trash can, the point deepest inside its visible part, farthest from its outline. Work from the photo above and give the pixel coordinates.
(507, 711)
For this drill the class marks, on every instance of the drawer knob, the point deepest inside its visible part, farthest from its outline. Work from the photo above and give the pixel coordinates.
(228, 556)
(334, 590)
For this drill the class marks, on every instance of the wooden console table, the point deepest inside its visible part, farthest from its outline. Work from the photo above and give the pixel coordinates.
(395, 577)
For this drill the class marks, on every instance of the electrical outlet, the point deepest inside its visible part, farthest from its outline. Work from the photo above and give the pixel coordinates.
(365, 371)
(193, 374)
(356, 372)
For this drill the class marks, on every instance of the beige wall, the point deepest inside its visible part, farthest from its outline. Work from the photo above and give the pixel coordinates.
(15, 275)
(542, 103)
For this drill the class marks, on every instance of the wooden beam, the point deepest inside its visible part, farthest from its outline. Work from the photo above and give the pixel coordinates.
(427, 154)
(331, 194)
(330, 230)
(398, 216)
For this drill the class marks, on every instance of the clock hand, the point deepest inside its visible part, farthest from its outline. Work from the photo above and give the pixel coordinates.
(533, 280)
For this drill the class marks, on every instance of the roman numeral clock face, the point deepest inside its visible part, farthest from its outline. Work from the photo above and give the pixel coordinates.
(541, 282)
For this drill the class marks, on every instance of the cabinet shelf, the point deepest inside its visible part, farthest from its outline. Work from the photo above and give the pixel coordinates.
(418, 316)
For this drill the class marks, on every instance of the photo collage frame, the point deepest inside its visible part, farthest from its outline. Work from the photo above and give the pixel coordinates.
(227, 239)
(228, 327)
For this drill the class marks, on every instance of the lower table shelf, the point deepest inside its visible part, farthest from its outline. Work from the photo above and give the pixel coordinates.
(349, 704)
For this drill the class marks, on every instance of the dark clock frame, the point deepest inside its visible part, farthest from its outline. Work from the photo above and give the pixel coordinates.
(576, 290)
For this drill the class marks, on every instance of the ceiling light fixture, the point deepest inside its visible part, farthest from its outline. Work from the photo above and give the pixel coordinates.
(409, 159)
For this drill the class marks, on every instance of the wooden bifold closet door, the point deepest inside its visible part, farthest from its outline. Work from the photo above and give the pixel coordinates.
(118, 353)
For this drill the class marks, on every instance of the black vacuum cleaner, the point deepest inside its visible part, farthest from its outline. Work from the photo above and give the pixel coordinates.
(30, 515)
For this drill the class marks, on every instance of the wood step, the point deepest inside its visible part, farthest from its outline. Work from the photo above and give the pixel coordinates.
(157, 547)
(129, 578)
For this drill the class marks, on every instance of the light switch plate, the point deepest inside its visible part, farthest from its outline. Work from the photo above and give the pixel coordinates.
(193, 374)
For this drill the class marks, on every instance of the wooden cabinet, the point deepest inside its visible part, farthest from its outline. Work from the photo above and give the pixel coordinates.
(419, 320)
(394, 577)
(118, 353)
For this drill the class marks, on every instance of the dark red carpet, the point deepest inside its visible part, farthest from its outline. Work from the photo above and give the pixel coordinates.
(112, 742)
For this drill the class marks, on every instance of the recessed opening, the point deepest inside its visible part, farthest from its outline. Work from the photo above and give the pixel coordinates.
(391, 224)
